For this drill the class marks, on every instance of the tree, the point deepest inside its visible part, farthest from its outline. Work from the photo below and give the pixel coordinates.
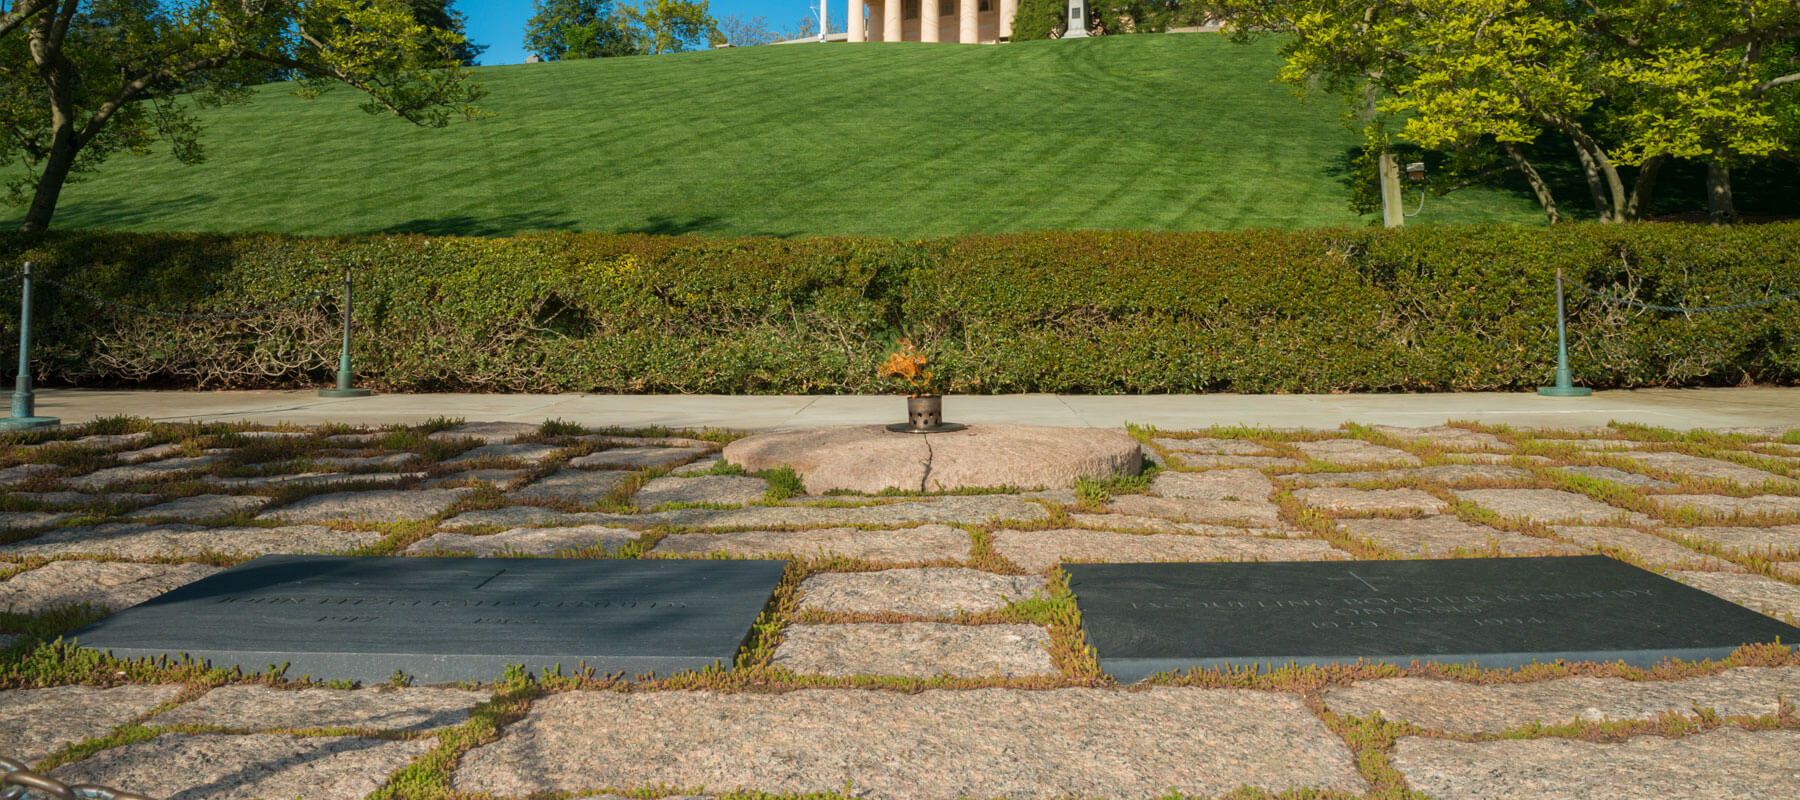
(92, 77)
(1628, 83)
(563, 29)
(739, 30)
(671, 26)
(441, 15)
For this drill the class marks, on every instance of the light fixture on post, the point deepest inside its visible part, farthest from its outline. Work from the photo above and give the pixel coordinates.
(1415, 172)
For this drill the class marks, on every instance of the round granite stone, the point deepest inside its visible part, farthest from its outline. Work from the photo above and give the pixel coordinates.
(870, 458)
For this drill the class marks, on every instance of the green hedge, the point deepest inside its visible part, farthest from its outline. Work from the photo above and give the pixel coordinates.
(1441, 308)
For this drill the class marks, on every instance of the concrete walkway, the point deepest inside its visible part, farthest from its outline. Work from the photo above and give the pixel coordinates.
(1670, 408)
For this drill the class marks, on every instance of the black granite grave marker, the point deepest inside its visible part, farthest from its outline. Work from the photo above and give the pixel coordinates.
(1495, 612)
(451, 619)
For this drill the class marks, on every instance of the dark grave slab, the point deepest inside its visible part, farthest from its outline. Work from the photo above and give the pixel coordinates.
(1492, 612)
(450, 619)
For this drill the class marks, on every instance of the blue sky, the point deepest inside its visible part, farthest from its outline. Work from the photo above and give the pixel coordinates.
(500, 24)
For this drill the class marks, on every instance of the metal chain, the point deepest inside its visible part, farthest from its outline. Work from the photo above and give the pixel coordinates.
(12, 277)
(19, 783)
(101, 301)
(1684, 309)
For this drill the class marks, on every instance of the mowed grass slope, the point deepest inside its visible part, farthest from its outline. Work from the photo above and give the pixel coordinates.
(1175, 132)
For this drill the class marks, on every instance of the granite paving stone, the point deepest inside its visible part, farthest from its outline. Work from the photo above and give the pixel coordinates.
(1549, 505)
(1369, 501)
(356, 438)
(387, 708)
(114, 585)
(37, 722)
(388, 461)
(610, 440)
(1354, 452)
(870, 458)
(1152, 456)
(1778, 599)
(725, 490)
(1450, 474)
(202, 506)
(952, 508)
(637, 457)
(1780, 542)
(532, 541)
(1684, 464)
(915, 649)
(1025, 745)
(699, 467)
(1619, 476)
(582, 486)
(147, 454)
(1654, 550)
(65, 499)
(928, 592)
(1447, 437)
(367, 506)
(486, 432)
(924, 543)
(26, 520)
(505, 480)
(1725, 506)
(151, 540)
(1604, 444)
(1457, 707)
(528, 453)
(15, 475)
(212, 766)
(104, 441)
(1239, 496)
(1160, 525)
(1724, 762)
(1496, 458)
(1255, 462)
(149, 470)
(1444, 535)
(1222, 447)
(1039, 550)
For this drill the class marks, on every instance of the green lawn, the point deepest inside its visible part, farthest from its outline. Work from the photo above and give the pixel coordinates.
(1173, 132)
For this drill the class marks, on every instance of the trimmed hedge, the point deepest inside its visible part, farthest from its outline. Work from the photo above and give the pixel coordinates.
(1437, 308)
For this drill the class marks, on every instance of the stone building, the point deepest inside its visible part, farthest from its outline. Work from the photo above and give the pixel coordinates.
(931, 20)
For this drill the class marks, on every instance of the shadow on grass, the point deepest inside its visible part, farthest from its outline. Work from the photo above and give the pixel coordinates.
(465, 225)
(114, 215)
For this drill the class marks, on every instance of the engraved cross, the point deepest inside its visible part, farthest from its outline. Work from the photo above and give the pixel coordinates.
(1365, 581)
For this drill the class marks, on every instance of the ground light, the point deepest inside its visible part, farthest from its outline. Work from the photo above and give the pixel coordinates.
(24, 402)
(1565, 386)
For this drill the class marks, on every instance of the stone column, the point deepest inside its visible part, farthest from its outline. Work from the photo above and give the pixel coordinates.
(971, 24)
(1008, 10)
(928, 20)
(893, 29)
(876, 32)
(854, 23)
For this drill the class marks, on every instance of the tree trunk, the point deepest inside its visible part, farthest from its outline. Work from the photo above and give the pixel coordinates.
(1719, 208)
(1642, 188)
(50, 183)
(1538, 187)
(1603, 207)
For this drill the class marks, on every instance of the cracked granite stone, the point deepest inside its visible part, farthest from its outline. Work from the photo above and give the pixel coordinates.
(1723, 506)
(1039, 550)
(1219, 447)
(529, 453)
(1778, 542)
(1366, 501)
(27, 520)
(389, 461)
(179, 766)
(1255, 462)
(910, 545)
(1450, 474)
(505, 480)
(634, 458)
(531, 541)
(15, 475)
(115, 585)
(1444, 535)
(386, 708)
(1619, 476)
(1549, 505)
(1456, 707)
(1239, 496)
(37, 722)
(916, 649)
(1129, 522)
(201, 506)
(1354, 452)
(1025, 745)
(928, 592)
(1447, 437)
(150, 540)
(1710, 764)
(361, 479)
(147, 454)
(368, 506)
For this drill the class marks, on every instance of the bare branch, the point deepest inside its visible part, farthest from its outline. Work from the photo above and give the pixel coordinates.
(1774, 82)
(132, 89)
